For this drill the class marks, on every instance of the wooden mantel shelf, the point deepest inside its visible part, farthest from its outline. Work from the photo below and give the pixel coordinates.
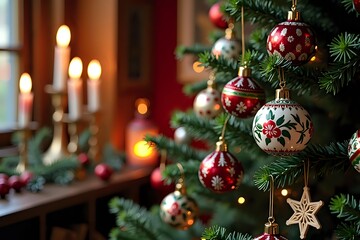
(26, 205)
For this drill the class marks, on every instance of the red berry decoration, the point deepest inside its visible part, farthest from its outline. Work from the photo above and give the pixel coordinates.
(84, 159)
(217, 16)
(207, 104)
(4, 176)
(220, 171)
(242, 97)
(357, 5)
(4, 187)
(25, 177)
(15, 183)
(293, 40)
(103, 171)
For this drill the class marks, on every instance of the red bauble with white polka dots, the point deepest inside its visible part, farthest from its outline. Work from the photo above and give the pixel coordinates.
(242, 97)
(293, 40)
(220, 171)
(207, 103)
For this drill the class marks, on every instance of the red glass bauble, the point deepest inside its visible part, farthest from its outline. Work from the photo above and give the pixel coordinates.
(357, 5)
(292, 40)
(4, 187)
(103, 171)
(242, 97)
(158, 183)
(267, 236)
(15, 183)
(217, 16)
(221, 172)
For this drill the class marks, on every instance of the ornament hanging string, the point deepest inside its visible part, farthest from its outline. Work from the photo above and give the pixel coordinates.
(306, 172)
(271, 218)
(294, 3)
(243, 35)
(282, 81)
(224, 127)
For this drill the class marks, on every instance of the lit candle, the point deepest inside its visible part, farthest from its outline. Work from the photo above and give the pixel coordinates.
(94, 72)
(25, 101)
(61, 58)
(75, 89)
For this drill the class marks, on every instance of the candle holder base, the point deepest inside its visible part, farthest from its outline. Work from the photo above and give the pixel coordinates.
(23, 150)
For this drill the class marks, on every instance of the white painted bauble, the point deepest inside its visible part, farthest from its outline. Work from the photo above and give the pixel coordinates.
(282, 127)
(354, 150)
(181, 136)
(228, 48)
(207, 104)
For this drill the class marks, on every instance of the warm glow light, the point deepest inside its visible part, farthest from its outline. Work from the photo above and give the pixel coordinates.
(313, 59)
(25, 83)
(75, 68)
(241, 200)
(143, 149)
(142, 105)
(63, 36)
(197, 67)
(94, 69)
(284, 192)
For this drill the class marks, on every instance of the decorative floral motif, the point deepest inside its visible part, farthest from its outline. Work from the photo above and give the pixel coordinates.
(282, 127)
(174, 209)
(354, 150)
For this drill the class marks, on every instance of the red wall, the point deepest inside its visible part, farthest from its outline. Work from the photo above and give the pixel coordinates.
(168, 94)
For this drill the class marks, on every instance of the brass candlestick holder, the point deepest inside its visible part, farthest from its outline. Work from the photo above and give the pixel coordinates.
(57, 147)
(73, 145)
(93, 141)
(23, 150)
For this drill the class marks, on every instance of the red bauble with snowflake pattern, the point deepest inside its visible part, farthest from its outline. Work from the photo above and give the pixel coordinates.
(207, 103)
(267, 236)
(220, 171)
(242, 97)
(293, 40)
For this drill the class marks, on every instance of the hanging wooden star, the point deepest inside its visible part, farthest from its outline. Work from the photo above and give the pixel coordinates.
(304, 212)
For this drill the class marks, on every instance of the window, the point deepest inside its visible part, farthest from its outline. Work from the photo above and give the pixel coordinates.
(11, 47)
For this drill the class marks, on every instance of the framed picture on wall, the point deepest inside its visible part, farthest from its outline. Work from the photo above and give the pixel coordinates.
(193, 26)
(135, 41)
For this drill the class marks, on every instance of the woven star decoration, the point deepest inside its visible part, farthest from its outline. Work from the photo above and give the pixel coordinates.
(304, 213)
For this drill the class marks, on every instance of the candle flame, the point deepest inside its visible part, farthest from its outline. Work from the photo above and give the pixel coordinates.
(63, 36)
(143, 149)
(75, 68)
(94, 69)
(25, 83)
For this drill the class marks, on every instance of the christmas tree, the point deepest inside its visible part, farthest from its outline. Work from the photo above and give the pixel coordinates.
(277, 125)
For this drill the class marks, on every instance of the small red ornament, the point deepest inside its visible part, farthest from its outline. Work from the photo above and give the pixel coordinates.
(15, 183)
(158, 183)
(220, 171)
(25, 177)
(293, 40)
(4, 176)
(357, 5)
(84, 159)
(242, 97)
(217, 16)
(103, 171)
(4, 187)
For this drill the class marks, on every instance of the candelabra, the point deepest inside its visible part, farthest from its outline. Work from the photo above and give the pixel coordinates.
(23, 149)
(57, 147)
(93, 141)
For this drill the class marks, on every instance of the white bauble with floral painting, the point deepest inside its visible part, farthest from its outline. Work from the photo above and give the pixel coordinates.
(354, 150)
(282, 127)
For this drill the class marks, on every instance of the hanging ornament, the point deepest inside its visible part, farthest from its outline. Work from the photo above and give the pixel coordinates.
(181, 136)
(156, 179)
(220, 171)
(228, 46)
(217, 17)
(304, 210)
(354, 150)
(282, 126)
(293, 40)
(178, 209)
(357, 5)
(242, 97)
(207, 103)
(271, 231)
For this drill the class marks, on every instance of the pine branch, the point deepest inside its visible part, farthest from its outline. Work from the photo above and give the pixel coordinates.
(349, 6)
(345, 207)
(219, 64)
(323, 160)
(347, 231)
(176, 151)
(220, 233)
(132, 219)
(196, 49)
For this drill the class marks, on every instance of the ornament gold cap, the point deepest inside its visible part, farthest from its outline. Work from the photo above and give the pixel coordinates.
(271, 228)
(244, 71)
(282, 93)
(221, 145)
(293, 15)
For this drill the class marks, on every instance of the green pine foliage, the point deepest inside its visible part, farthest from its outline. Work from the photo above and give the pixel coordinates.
(327, 87)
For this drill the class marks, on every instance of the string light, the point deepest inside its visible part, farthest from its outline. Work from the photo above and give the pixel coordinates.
(284, 192)
(241, 200)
